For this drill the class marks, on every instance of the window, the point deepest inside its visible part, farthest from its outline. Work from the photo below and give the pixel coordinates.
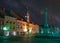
(13, 22)
(6, 21)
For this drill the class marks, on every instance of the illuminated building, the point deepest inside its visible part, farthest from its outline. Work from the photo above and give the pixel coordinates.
(31, 28)
(9, 24)
(22, 27)
(27, 27)
(13, 25)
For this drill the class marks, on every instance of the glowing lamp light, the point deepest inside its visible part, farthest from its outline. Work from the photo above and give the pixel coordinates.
(42, 31)
(14, 33)
(29, 31)
(6, 33)
(5, 28)
(25, 30)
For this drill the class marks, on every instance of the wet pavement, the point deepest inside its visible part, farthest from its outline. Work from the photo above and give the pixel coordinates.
(29, 40)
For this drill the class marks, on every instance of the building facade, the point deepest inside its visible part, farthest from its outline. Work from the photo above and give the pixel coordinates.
(24, 29)
(10, 25)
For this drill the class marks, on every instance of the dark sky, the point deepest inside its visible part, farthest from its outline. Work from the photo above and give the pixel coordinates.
(36, 8)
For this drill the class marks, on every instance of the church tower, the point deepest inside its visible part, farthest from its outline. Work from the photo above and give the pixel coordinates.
(28, 16)
(46, 17)
(46, 27)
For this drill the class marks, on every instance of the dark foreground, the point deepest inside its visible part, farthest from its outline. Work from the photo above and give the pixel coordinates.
(28, 40)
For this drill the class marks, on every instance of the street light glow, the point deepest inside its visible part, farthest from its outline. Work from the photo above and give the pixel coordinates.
(29, 31)
(25, 30)
(6, 33)
(14, 33)
(5, 28)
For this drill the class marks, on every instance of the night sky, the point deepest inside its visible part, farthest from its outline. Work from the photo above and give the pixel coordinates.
(36, 8)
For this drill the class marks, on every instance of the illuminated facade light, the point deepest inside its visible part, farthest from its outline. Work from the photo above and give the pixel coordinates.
(14, 33)
(42, 31)
(29, 31)
(5, 28)
(25, 30)
(6, 33)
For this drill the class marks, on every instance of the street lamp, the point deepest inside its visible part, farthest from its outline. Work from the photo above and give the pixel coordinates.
(5, 28)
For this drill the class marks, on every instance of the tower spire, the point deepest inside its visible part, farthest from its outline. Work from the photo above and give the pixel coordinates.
(46, 22)
(46, 17)
(28, 15)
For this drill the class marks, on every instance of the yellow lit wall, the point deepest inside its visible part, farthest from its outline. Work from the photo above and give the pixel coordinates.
(23, 27)
(10, 21)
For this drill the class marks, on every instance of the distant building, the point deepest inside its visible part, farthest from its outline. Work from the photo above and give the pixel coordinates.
(27, 27)
(1, 23)
(9, 26)
(22, 27)
(10, 23)
(1, 26)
